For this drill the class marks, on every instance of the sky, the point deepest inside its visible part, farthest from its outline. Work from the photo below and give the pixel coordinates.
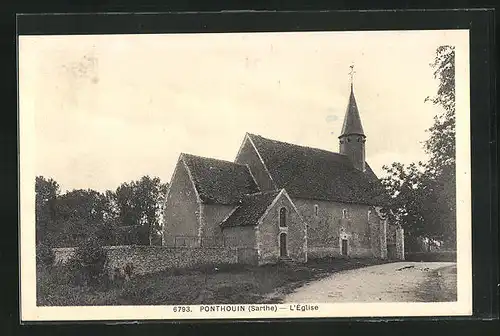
(109, 109)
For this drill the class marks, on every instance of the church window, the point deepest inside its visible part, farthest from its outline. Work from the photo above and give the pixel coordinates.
(369, 213)
(283, 217)
(344, 213)
(315, 210)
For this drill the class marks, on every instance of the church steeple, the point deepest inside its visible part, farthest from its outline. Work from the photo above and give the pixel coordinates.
(352, 138)
(352, 120)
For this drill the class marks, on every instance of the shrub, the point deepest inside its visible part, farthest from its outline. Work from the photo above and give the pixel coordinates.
(129, 270)
(89, 262)
(44, 255)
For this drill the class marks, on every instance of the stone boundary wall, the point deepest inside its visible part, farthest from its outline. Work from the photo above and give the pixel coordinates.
(149, 259)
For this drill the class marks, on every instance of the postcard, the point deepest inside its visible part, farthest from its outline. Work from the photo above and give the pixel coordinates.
(245, 175)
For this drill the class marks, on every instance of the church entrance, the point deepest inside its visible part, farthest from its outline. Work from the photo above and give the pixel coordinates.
(283, 249)
(344, 247)
(391, 251)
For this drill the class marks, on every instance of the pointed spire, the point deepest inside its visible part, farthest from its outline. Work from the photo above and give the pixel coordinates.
(352, 120)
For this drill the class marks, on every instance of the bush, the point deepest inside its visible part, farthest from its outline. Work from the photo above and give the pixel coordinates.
(45, 255)
(89, 262)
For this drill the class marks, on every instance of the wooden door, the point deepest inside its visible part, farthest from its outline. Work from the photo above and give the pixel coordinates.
(344, 247)
(283, 249)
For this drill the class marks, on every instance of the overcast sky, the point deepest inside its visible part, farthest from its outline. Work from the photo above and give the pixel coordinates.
(110, 109)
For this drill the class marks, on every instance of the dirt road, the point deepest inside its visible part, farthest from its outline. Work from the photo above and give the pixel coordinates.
(394, 282)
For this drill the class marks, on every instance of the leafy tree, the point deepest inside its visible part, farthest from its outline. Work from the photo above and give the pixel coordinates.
(423, 194)
(404, 184)
(150, 194)
(71, 218)
(139, 204)
(46, 191)
(89, 262)
(80, 214)
(441, 145)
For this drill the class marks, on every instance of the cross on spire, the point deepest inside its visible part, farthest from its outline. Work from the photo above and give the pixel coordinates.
(351, 73)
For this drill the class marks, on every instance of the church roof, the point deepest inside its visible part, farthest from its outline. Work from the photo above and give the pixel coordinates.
(219, 181)
(352, 120)
(250, 209)
(313, 173)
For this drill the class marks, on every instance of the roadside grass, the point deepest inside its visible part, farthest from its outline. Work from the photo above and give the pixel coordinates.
(440, 286)
(223, 284)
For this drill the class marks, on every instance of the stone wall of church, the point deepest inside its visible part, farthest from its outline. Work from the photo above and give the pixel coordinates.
(327, 227)
(354, 147)
(269, 231)
(211, 217)
(181, 220)
(378, 233)
(249, 156)
(240, 236)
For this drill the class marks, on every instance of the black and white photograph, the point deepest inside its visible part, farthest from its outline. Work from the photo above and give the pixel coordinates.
(245, 175)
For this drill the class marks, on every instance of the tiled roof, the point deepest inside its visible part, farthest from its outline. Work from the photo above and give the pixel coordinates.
(218, 181)
(317, 174)
(250, 209)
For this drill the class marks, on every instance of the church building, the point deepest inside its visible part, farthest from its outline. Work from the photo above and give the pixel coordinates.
(282, 201)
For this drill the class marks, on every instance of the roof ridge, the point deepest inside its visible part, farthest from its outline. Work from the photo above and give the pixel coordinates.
(251, 209)
(211, 158)
(263, 192)
(296, 145)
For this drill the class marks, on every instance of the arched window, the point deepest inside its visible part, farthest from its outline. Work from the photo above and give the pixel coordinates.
(315, 210)
(344, 213)
(283, 217)
(369, 213)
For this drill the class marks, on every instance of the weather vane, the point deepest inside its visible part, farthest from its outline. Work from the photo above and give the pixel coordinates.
(351, 73)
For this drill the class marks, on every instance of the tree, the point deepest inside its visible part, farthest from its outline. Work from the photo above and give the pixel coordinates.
(46, 191)
(89, 262)
(423, 194)
(81, 214)
(150, 193)
(404, 184)
(441, 167)
(139, 203)
(441, 143)
(67, 220)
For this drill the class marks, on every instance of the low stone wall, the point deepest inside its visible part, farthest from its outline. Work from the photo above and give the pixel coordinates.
(148, 259)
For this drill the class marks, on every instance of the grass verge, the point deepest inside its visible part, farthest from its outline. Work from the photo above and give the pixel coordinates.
(229, 284)
(440, 285)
